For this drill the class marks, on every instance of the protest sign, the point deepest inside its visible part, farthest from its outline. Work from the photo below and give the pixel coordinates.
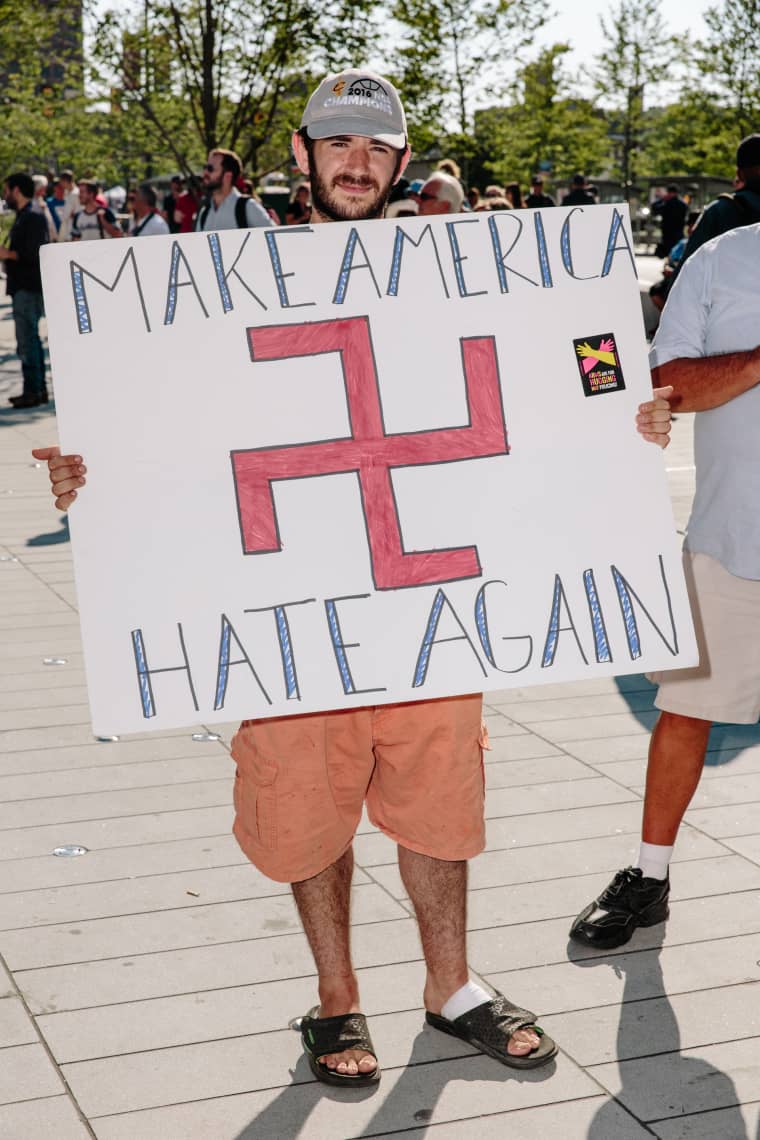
(342, 465)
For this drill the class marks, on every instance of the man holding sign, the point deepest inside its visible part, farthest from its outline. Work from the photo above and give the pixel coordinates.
(302, 781)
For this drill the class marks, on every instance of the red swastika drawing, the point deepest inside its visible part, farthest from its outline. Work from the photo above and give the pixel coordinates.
(369, 451)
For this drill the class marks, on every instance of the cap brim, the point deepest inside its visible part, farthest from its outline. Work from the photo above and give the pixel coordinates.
(366, 128)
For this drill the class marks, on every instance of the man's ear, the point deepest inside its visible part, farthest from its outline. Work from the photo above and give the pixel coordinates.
(403, 164)
(301, 153)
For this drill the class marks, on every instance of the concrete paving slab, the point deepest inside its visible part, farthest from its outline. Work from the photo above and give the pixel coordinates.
(237, 1011)
(197, 969)
(740, 1122)
(723, 822)
(53, 1116)
(241, 1065)
(575, 823)
(673, 1084)
(136, 863)
(635, 1029)
(26, 1072)
(102, 805)
(636, 975)
(40, 698)
(16, 1027)
(516, 773)
(124, 831)
(563, 732)
(570, 708)
(558, 795)
(186, 769)
(525, 747)
(92, 754)
(189, 926)
(439, 1094)
(551, 861)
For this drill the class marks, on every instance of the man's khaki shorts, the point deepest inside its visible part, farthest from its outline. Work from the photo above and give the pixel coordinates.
(302, 781)
(725, 686)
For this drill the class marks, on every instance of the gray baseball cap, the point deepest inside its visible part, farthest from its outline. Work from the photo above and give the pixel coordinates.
(356, 102)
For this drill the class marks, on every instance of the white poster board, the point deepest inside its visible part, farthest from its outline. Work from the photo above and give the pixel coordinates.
(348, 465)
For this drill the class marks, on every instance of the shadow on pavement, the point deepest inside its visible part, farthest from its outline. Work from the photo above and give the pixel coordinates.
(10, 416)
(656, 1080)
(53, 537)
(409, 1105)
(727, 741)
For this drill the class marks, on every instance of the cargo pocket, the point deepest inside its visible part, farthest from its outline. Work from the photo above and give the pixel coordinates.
(255, 792)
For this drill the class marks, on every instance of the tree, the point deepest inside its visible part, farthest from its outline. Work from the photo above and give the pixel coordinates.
(634, 63)
(728, 62)
(453, 51)
(546, 127)
(206, 73)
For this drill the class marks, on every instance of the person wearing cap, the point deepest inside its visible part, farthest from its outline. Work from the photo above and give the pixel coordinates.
(537, 200)
(579, 195)
(728, 211)
(708, 348)
(441, 194)
(302, 781)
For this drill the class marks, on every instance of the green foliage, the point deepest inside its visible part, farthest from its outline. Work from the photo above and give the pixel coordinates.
(453, 51)
(634, 63)
(545, 126)
(728, 64)
(206, 73)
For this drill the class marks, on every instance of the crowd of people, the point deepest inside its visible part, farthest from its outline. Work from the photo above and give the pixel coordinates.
(421, 776)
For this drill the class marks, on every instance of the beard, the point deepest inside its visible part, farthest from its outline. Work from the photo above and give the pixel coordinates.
(325, 202)
(213, 183)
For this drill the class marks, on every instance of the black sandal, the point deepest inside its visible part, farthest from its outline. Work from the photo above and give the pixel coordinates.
(323, 1035)
(489, 1027)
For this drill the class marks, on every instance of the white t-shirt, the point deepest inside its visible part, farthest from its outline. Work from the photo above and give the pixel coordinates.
(152, 224)
(88, 227)
(713, 309)
(223, 218)
(69, 208)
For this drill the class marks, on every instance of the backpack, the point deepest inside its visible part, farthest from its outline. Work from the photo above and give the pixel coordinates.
(241, 206)
(747, 212)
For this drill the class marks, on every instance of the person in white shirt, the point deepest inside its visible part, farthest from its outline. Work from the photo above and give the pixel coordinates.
(146, 221)
(40, 206)
(708, 348)
(221, 211)
(71, 204)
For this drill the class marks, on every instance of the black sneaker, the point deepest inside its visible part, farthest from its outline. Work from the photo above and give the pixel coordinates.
(629, 901)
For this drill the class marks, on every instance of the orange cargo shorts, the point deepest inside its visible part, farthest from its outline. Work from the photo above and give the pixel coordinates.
(301, 783)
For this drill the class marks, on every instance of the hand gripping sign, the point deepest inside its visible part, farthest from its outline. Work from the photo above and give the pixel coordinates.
(301, 490)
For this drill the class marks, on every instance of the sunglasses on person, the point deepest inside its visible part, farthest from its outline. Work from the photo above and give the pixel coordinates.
(210, 167)
(427, 197)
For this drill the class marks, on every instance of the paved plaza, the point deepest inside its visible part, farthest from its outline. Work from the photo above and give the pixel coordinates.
(146, 986)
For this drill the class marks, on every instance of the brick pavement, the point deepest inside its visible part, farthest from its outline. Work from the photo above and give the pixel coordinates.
(146, 987)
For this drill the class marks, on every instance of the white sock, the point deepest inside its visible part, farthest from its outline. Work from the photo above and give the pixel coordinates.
(465, 999)
(654, 860)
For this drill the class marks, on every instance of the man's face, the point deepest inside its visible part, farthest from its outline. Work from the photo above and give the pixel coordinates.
(351, 176)
(213, 172)
(10, 196)
(429, 202)
(86, 196)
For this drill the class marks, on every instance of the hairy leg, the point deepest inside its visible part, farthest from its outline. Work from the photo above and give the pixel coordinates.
(438, 890)
(676, 757)
(324, 903)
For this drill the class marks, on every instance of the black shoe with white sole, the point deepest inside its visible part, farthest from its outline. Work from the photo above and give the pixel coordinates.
(628, 902)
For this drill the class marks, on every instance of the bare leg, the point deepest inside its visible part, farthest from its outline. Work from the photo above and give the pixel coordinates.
(676, 757)
(324, 905)
(438, 890)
